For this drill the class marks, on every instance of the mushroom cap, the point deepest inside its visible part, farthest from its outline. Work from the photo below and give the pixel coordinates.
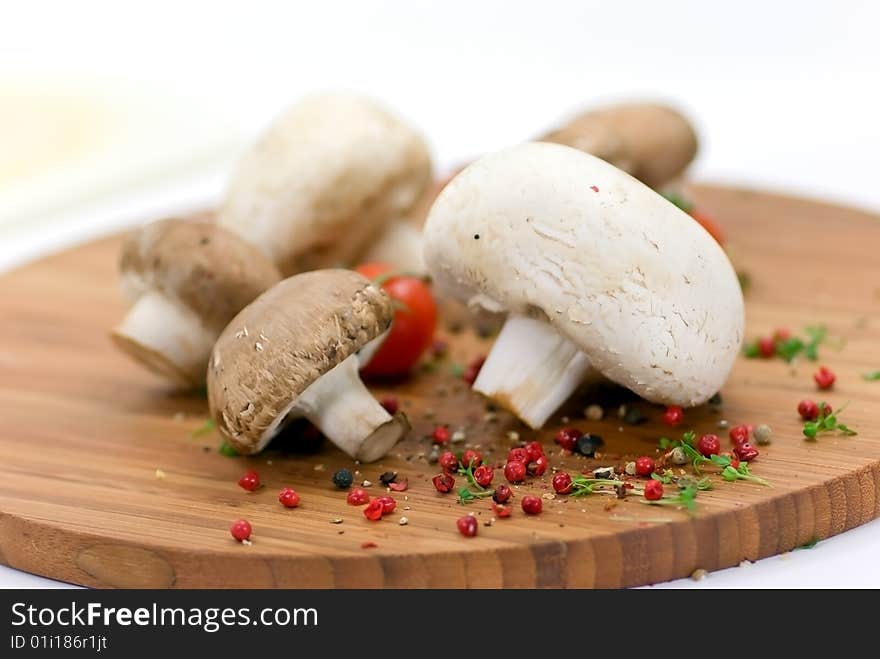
(324, 180)
(203, 266)
(285, 340)
(551, 232)
(651, 141)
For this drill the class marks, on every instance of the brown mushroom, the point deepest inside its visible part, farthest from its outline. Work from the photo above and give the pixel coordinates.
(295, 352)
(652, 142)
(186, 280)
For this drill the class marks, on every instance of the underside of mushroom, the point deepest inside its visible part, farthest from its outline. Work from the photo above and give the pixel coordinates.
(344, 410)
(532, 369)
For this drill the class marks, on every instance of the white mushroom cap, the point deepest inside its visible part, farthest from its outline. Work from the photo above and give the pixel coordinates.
(324, 180)
(550, 233)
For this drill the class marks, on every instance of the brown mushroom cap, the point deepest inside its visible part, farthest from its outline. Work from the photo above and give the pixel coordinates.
(202, 265)
(285, 340)
(650, 141)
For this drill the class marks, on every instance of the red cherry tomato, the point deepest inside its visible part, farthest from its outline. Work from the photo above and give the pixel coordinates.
(412, 332)
(708, 224)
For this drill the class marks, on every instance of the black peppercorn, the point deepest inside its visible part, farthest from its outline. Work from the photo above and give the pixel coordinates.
(588, 443)
(343, 478)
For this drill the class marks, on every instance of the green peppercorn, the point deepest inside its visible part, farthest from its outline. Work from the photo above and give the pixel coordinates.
(762, 434)
(343, 478)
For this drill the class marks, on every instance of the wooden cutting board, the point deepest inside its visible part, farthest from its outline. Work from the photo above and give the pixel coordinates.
(84, 431)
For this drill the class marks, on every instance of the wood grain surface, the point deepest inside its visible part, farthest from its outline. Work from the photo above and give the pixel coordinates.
(83, 432)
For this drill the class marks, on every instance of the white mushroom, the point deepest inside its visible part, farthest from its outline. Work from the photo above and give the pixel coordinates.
(294, 352)
(325, 180)
(186, 280)
(595, 270)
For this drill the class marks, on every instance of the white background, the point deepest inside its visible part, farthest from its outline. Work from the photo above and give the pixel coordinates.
(784, 94)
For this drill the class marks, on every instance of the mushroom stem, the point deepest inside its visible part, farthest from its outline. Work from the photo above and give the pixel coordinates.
(167, 337)
(531, 370)
(344, 410)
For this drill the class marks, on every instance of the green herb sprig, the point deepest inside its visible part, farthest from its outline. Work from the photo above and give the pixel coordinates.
(582, 486)
(826, 422)
(687, 443)
(738, 473)
(871, 376)
(686, 498)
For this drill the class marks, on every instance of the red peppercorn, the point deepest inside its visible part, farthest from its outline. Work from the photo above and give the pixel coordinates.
(824, 377)
(501, 511)
(288, 497)
(502, 494)
(745, 452)
(515, 472)
(250, 481)
(645, 465)
(653, 490)
(567, 438)
(767, 347)
(467, 526)
(391, 404)
(357, 496)
(448, 462)
(673, 415)
(734, 461)
(534, 450)
(471, 459)
(518, 455)
(561, 482)
(388, 504)
(483, 475)
(808, 410)
(241, 530)
(532, 505)
(443, 482)
(374, 510)
(473, 370)
(826, 408)
(709, 445)
(739, 435)
(782, 334)
(440, 435)
(537, 467)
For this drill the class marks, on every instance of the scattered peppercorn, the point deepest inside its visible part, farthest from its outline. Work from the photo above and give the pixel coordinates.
(824, 378)
(709, 445)
(567, 438)
(440, 435)
(588, 443)
(766, 347)
(443, 482)
(483, 475)
(250, 481)
(594, 412)
(673, 415)
(472, 459)
(518, 455)
(343, 478)
(502, 494)
(537, 467)
(374, 510)
(745, 452)
(387, 477)
(448, 462)
(515, 471)
(357, 496)
(739, 435)
(391, 404)
(645, 465)
(532, 505)
(241, 530)
(467, 526)
(762, 434)
(633, 416)
(388, 504)
(653, 490)
(501, 511)
(678, 456)
(534, 450)
(288, 497)
(562, 482)
(630, 468)
(473, 370)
